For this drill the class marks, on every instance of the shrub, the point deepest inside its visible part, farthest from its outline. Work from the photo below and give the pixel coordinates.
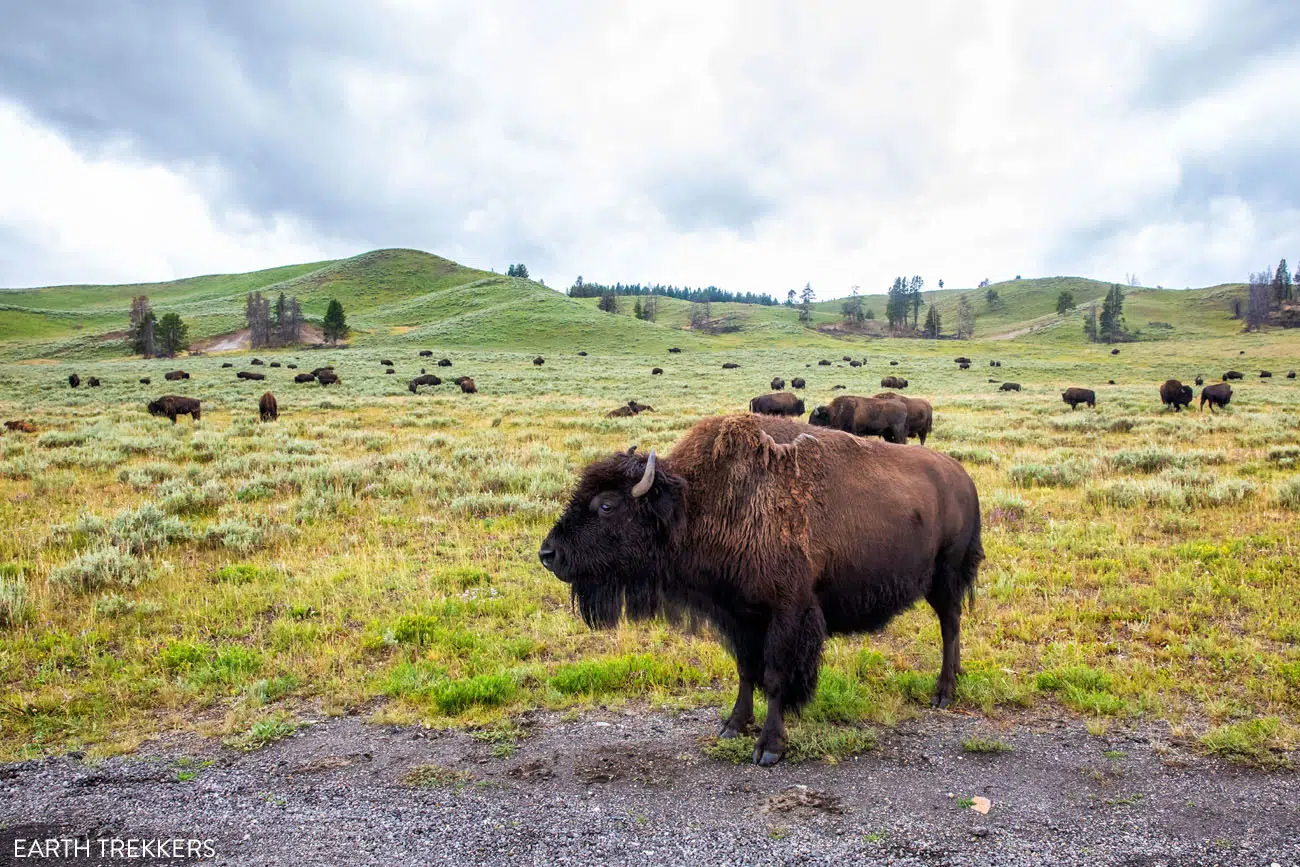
(103, 567)
(1147, 460)
(115, 605)
(1287, 493)
(181, 497)
(1066, 474)
(15, 607)
(146, 528)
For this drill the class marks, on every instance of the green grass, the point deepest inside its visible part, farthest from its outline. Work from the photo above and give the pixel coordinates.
(988, 746)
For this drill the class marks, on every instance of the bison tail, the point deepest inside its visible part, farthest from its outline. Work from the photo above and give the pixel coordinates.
(970, 567)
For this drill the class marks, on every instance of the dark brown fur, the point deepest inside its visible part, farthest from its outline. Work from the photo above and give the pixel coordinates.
(257, 361)
(920, 415)
(961, 359)
(893, 382)
(144, 380)
(730, 365)
(174, 375)
(1010, 386)
(1217, 394)
(172, 405)
(328, 377)
(780, 403)
(1174, 393)
(446, 362)
(1076, 396)
(423, 379)
(267, 408)
(466, 385)
(797, 382)
(248, 374)
(777, 383)
(426, 353)
(761, 526)
(629, 409)
(21, 425)
(304, 377)
(864, 417)
(656, 371)
(1233, 374)
(539, 361)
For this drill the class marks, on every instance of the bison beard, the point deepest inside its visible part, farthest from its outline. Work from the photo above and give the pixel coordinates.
(757, 524)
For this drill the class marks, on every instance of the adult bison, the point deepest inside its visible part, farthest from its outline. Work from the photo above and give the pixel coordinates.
(864, 417)
(846, 358)
(797, 382)
(144, 380)
(964, 366)
(291, 367)
(824, 363)
(780, 403)
(172, 405)
(446, 362)
(93, 382)
(1174, 394)
(539, 361)
(21, 425)
(1266, 374)
(780, 535)
(855, 363)
(74, 380)
(274, 364)
(777, 383)
(1217, 394)
(257, 361)
(423, 379)
(328, 377)
(1076, 396)
(248, 374)
(961, 359)
(386, 362)
(466, 384)
(893, 364)
(318, 371)
(674, 349)
(226, 364)
(304, 377)
(582, 354)
(175, 375)
(1233, 374)
(267, 408)
(656, 371)
(893, 382)
(920, 415)
(389, 370)
(1114, 352)
(730, 365)
(1010, 386)
(426, 353)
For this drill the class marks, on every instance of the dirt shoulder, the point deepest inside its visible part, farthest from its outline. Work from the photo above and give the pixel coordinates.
(634, 787)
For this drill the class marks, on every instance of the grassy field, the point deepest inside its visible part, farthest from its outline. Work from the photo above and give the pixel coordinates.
(375, 550)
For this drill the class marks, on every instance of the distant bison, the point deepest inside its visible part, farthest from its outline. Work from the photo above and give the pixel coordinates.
(1233, 374)
(1174, 394)
(656, 371)
(257, 361)
(1266, 374)
(466, 385)
(961, 359)
(172, 405)
(1110, 382)
(144, 380)
(389, 370)
(920, 415)
(1010, 386)
(824, 363)
(74, 380)
(386, 362)
(855, 363)
(539, 361)
(582, 354)
(446, 362)
(730, 365)
(780, 403)
(1216, 395)
(964, 366)
(864, 417)
(777, 383)
(893, 382)
(174, 375)
(630, 408)
(267, 407)
(836, 387)
(291, 366)
(424, 379)
(674, 349)
(328, 377)
(304, 377)
(93, 382)
(22, 425)
(893, 364)
(797, 382)
(1076, 396)
(318, 371)
(1114, 352)
(248, 374)
(846, 358)
(227, 364)
(1290, 374)
(1200, 380)
(995, 364)
(274, 364)
(426, 353)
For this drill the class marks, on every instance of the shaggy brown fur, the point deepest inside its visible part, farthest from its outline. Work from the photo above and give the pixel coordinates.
(777, 383)
(172, 405)
(248, 374)
(1010, 386)
(74, 380)
(656, 371)
(328, 377)
(423, 379)
(1216, 395)
(780, 403)
(864, 417)
(797, 382)
(22, 425)
(629, 409)
(426, 353)
(174, 375)
(1233, 374)
(1076, 396)
(780, 535)
(920, 415)
(1174, 393)
(267, 407)
(304, 377)
(467, 385)
(539, 361)
(893, 381)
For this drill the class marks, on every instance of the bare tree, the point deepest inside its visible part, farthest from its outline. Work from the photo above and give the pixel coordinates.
(257, 313)
(1260, 290)
(965, 318)
(141, 330)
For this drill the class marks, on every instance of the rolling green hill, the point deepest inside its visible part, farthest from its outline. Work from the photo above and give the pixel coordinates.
(410, 296)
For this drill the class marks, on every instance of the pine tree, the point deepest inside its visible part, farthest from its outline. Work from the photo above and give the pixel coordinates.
(896, 305)
(292, 332)
(789, 298)
(335, 324)
(1282, 287)
(608, 302)
(932, 323)
(173, 334)
(1111, 322)
(1064, 301)
(257, 313)
(965, 318)
(1260, 288)
(637, 311)
(914, 287)
(143, 326)
(278, 320)
(805, 304)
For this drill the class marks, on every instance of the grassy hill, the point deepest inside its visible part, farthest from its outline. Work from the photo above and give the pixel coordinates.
(410, 296)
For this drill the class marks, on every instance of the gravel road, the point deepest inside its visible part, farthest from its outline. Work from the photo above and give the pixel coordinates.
(635, 788)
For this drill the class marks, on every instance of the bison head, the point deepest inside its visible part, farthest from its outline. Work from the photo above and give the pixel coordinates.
(609, 542)
(156, 407)
(821, 416)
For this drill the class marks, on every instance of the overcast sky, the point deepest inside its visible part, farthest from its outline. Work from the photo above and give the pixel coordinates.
(751, 145)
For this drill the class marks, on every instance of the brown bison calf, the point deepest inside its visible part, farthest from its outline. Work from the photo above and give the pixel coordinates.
(780, 535)
(864, 417)
(172, 405)
(780, 403)
(466, 385)
(920, 415)
(629, 409)
(1216, 395)
(1076, 396)
(267, 407)
(22, 425)
(1174, 393)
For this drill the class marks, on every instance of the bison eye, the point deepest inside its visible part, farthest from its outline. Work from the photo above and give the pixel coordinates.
(606, 507)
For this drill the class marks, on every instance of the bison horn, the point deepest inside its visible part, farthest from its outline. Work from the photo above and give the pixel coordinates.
(643, 487)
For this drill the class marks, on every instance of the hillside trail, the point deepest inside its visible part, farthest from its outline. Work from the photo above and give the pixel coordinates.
(634, 786)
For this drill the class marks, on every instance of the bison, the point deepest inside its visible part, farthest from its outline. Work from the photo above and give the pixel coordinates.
(846, 358)
(1174, 394)
(893, 382)
(426, 353)
(226, 364)
(893, 364)
(1076, 396)
(74, 380)
(267, 407)
(93, 382)
(1200, 380)
(1217, 394)
(823, 363)
(582, 354)
(274, 364)
(779, 403)
(1290, 374)
(21, 425)
(920, 415)
(777, 383)
(423, 379)
(674, 349)
(144, 380)
(836, 387)
(1233, 374)
(328, 377)
(628, 409)
(656, 371)
(961, 359)
(466, 384)
(318, 371)
(172, 405)
(389, 370)
(174, 375)
(1266, 374)
(797, 382)
(855, 363)
(446, 362)
(864, 417)
(1114, 352)
(779, 535)
(964, 366)
(386, 362)
(304, 377)
(730, 365)
(291, 366)
(539, 361)
(248, 374)
(257, 361)
(995, 364)
(1010, 386)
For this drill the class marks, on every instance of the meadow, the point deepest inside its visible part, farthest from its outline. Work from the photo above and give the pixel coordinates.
(374, 552)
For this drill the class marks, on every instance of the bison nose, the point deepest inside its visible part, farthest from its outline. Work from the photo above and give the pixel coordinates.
(547, 555)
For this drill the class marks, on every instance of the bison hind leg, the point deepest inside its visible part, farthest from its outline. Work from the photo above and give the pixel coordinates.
(954, 582)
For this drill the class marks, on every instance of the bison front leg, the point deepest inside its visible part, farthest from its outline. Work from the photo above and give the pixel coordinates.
(792, 655)
(749, 665)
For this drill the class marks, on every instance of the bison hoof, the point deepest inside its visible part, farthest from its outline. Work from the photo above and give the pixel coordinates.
(942, 698)
(726, 733)
(765, 758)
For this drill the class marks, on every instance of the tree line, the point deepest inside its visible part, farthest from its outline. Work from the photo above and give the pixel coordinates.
(268, 326)
(1266, 293)
(582, 289)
